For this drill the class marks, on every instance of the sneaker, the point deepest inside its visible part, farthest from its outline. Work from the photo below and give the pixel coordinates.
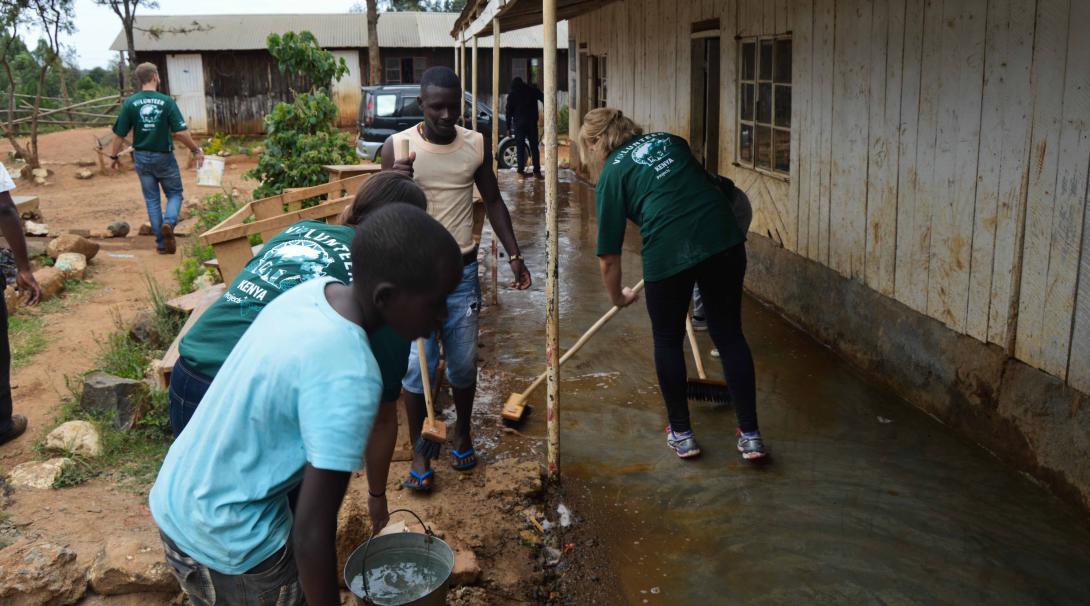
(16, 429)
(699, 324)
(169, 244)
(715, 352)
(684, 444)
(751, 446)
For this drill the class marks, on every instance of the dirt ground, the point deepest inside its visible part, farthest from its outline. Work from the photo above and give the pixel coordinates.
(480, 510)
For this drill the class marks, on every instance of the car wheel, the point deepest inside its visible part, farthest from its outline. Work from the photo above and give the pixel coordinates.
(509, 157)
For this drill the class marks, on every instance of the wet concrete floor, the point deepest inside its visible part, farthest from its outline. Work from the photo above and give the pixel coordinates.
(866, 500)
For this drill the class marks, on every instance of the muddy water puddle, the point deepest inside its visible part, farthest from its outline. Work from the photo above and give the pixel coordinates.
(866, 500)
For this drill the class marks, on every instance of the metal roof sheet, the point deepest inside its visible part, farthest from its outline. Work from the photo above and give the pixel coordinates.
(169, 33)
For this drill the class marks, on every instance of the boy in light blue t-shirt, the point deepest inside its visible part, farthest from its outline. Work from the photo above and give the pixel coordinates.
(291, 410)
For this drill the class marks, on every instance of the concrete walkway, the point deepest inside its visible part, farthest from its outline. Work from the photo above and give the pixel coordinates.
(867, 500)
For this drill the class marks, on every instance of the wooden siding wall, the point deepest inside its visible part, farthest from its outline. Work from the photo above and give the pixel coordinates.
(940, 148)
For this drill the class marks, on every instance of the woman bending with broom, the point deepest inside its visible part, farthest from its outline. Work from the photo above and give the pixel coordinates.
(689, 237)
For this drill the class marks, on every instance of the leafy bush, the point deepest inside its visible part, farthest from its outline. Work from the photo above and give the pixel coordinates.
(562, 120)
(302, 135)
(212, 211)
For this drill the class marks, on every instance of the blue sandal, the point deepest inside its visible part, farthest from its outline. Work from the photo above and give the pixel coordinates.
(463, 461)
(418, 482)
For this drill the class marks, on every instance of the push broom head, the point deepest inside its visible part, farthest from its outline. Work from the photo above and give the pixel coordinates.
(432, 437)
(515, 409)
(708, 391)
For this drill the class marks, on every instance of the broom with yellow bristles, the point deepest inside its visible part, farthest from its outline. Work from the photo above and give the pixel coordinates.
(703, 388)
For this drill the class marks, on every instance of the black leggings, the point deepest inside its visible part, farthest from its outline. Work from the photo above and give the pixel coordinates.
(720, 279)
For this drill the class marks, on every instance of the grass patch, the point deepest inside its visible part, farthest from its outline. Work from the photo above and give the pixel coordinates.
(211, 212)
(75, 291)
(27, 338)
(133, 456)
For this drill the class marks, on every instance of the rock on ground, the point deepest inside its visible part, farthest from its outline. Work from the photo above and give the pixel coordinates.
(84, 174)
(51, 280)
(31, 228)
(109, 395)
(145, 230)
(131, 565)
(40, 181)
(13, 299)
(39, 474)
(85, 162)
(40, 172)
(72, 265)
(72, 243)
(511, 478)
(467, 571)
(144, 329)
(39, 574)
(76, 437)
(353, 528)
(118, 229)
(185, 228)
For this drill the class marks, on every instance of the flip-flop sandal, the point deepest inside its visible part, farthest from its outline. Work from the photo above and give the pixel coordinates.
(463, 461)
(418, 482)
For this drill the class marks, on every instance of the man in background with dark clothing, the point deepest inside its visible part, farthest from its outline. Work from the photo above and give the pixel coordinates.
(522, 116)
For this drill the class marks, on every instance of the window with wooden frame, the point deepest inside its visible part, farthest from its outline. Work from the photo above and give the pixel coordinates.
(764, 103)
(600, 82)
(393, 70)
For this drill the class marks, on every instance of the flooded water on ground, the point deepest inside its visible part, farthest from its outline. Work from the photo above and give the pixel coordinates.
(866, 500)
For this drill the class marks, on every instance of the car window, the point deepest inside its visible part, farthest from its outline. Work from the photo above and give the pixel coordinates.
(385, 105)
(410, 108)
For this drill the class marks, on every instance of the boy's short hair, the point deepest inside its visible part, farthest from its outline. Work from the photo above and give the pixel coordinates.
(440, 76)
(401, 244)
(146, 72)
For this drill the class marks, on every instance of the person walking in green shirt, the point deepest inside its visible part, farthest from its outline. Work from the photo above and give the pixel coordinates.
(155, 120)
(690, 236)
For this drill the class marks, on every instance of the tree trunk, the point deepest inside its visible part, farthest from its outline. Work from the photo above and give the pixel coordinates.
(373, 58)
(32, 157)
(64, 86)
(130, 73)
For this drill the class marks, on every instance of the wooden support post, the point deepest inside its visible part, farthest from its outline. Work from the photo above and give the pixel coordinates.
(552, 303)
(462, 54)
(473, 91)
(496, 95)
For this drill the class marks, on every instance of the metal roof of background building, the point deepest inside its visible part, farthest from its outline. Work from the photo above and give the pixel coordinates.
(168, 33)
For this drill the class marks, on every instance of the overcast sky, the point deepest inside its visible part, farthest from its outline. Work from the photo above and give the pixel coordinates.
(98, 26)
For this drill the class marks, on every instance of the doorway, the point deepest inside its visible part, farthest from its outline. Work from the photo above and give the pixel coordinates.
(704, 131)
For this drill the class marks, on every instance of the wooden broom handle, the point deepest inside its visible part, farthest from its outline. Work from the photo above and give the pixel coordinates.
(582, 340)
(425, 379)
(696, 348)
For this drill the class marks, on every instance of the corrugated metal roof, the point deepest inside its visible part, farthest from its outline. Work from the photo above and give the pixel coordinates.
(343, 30)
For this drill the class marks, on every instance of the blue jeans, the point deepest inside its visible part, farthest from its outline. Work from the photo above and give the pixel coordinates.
(274, 582)
(159, 169)
(187, 388)
(459, 335)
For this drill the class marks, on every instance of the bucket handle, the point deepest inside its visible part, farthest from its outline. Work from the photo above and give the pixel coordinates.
(367, 545)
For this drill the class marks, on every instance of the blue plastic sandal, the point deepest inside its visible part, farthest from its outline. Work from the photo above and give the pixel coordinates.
(463, 461)
(416, 481)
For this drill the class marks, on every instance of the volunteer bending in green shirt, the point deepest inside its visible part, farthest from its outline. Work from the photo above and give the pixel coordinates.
(689, 237)
(303, 251)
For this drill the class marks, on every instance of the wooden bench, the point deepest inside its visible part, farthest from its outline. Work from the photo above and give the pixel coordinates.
(230, 239)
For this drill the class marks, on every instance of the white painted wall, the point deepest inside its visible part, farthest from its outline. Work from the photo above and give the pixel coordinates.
(186, 77)
(940, 149)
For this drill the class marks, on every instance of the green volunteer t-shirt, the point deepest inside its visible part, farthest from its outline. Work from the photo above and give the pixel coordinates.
(683, 217)
(303, 251)
(153, 117)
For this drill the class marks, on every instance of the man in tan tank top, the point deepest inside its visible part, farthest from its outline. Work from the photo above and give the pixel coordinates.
(447, 161)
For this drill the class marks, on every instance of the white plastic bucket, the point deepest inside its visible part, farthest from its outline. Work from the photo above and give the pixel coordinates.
(210, 174)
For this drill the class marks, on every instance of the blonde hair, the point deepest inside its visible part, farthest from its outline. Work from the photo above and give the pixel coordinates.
(146, 72)
(604, 130)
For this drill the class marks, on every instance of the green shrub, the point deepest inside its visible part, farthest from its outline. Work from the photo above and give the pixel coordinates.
(562, 120)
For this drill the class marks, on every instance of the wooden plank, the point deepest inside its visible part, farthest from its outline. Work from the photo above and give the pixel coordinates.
(1004, 144)
(1070, 198)
(187, 303)
(907, 172)
(667, 66)
(638, 26)
(801, 132)
(682, 73)
(165, 366)
(851, 84)
(1049, 62)
(886, 39)
(330, 208)
(956, 164)
(824, 40)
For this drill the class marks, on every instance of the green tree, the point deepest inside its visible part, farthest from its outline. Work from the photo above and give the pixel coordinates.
(302, 135)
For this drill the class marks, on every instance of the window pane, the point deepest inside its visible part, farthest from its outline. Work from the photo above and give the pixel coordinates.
(783, 61)
(746, 102)
(781, 149)
(764, 147)
(764, 66)
(385, 105)
(745, 143)
(783, 105)
(410, 108)
(764, 103)
(749, 60)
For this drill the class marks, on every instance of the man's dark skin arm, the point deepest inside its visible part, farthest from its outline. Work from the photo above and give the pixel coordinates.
(315, 534)
(499, 217)
(12, 228)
